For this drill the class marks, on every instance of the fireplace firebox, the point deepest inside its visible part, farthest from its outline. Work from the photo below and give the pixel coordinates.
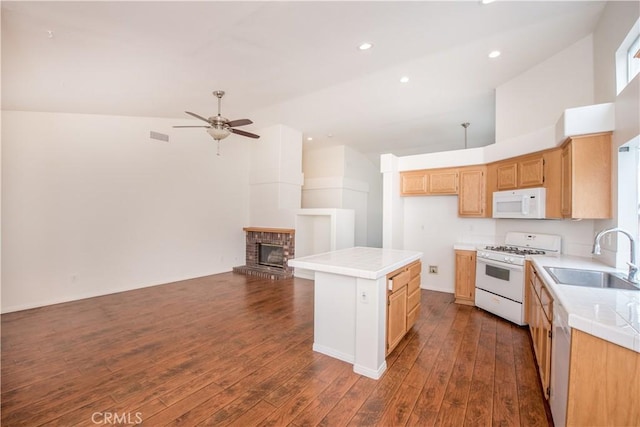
(271, 255)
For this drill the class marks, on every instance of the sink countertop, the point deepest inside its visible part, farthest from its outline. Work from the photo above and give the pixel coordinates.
(610, 314)
(366, 263)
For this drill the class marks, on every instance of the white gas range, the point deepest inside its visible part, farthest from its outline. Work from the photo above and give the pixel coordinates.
(500, 272)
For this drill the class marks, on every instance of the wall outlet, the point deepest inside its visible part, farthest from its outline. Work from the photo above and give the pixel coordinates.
(364, 298)
(433, 269)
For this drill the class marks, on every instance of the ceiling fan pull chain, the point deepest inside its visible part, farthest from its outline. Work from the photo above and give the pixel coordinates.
(218, 152)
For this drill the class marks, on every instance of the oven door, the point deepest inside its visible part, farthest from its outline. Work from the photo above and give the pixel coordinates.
(506, 280)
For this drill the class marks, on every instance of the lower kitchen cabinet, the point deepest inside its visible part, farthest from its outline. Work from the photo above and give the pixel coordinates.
(465, 285)
(539, 315)
(604, 383)
(403, 302)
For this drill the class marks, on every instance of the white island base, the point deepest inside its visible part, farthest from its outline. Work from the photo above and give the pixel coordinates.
(350, 304)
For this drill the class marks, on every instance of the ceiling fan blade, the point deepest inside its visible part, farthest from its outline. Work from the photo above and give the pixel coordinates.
(192, 126)
(240, 122)
(197, 116)
(243, 133)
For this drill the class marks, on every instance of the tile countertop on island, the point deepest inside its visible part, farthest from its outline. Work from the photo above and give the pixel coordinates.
(609, 314)
(363, 262)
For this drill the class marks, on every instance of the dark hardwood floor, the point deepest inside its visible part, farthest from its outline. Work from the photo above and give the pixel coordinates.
(233, 350)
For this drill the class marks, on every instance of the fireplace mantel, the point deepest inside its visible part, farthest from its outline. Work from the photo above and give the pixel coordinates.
(270, 230)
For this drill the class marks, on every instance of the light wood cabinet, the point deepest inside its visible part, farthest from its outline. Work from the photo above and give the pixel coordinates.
(531, 171)
(443, 181)
(507, 175)
(586, 176)
(539, 315)
(604, 383)
(396, 317)
(403, 302)
(429, 182)
(520, 172)
(472, 190)
(465, 285)
(413, 183)
(552, 182)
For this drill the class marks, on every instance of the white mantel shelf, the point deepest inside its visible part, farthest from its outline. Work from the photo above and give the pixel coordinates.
(350, 303)
(360, 262)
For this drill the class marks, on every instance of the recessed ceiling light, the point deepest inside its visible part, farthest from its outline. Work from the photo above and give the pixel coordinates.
(494, 54)
(486, 1)
(404, 79)
(309, 138)
(365, 46)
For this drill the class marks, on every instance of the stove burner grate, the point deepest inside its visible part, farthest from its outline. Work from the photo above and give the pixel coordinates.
(515, 250)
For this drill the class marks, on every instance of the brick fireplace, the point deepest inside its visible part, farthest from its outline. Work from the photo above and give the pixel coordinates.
(267, 253)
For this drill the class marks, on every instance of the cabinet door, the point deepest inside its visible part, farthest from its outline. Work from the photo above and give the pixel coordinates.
(565, 180)
(471, 198)
(465, 285)
(589, 190)
(443, 181)
(531, 172)
(413, 183)
(507, 175)
(396, 317)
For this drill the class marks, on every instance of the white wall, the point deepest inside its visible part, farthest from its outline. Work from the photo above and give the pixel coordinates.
(91, 205)
(276, 177)
(432, 226)
(340, 177)
(536, 98)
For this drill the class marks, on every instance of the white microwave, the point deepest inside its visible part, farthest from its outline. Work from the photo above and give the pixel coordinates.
(525, 203)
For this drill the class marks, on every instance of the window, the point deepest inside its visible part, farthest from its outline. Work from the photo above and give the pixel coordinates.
(633, 59)
(628, 58)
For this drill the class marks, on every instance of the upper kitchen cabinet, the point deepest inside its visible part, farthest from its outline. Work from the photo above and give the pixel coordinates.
(414, 183)
(520, 172)
(472, 191)
(585, 176)
(443, 181)
(429, 182)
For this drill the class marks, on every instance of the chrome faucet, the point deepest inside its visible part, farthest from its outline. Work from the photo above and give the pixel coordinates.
(633, 268)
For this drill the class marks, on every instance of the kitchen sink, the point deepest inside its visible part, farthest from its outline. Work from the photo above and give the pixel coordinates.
(590, 278)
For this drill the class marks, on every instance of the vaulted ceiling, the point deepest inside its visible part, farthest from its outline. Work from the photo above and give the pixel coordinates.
(295, 63)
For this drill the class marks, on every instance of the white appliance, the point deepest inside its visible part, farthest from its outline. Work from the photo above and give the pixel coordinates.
(500, 272)
(560, 364)
(528, 203)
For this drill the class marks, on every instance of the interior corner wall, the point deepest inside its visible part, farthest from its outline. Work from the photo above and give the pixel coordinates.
(537, 98)
(91, 205)
(276, 177)
(342, 178)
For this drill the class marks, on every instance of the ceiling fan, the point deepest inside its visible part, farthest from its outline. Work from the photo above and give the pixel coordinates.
(219, 127)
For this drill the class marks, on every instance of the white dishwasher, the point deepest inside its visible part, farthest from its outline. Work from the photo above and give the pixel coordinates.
(560, 352)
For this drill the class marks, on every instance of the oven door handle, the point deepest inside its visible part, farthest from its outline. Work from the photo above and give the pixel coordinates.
(500, 264)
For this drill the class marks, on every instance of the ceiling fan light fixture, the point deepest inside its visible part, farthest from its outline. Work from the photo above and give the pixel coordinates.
(218, 133)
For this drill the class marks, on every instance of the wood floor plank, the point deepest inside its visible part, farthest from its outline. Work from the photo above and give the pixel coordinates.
(234, 350)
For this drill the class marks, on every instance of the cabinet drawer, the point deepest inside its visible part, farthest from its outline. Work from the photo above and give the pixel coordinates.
(414, 284)
(413, 299)
(412, 316)
(398, 281)
(415, 269)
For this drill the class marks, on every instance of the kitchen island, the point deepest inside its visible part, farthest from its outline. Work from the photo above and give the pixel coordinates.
(351, 299)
